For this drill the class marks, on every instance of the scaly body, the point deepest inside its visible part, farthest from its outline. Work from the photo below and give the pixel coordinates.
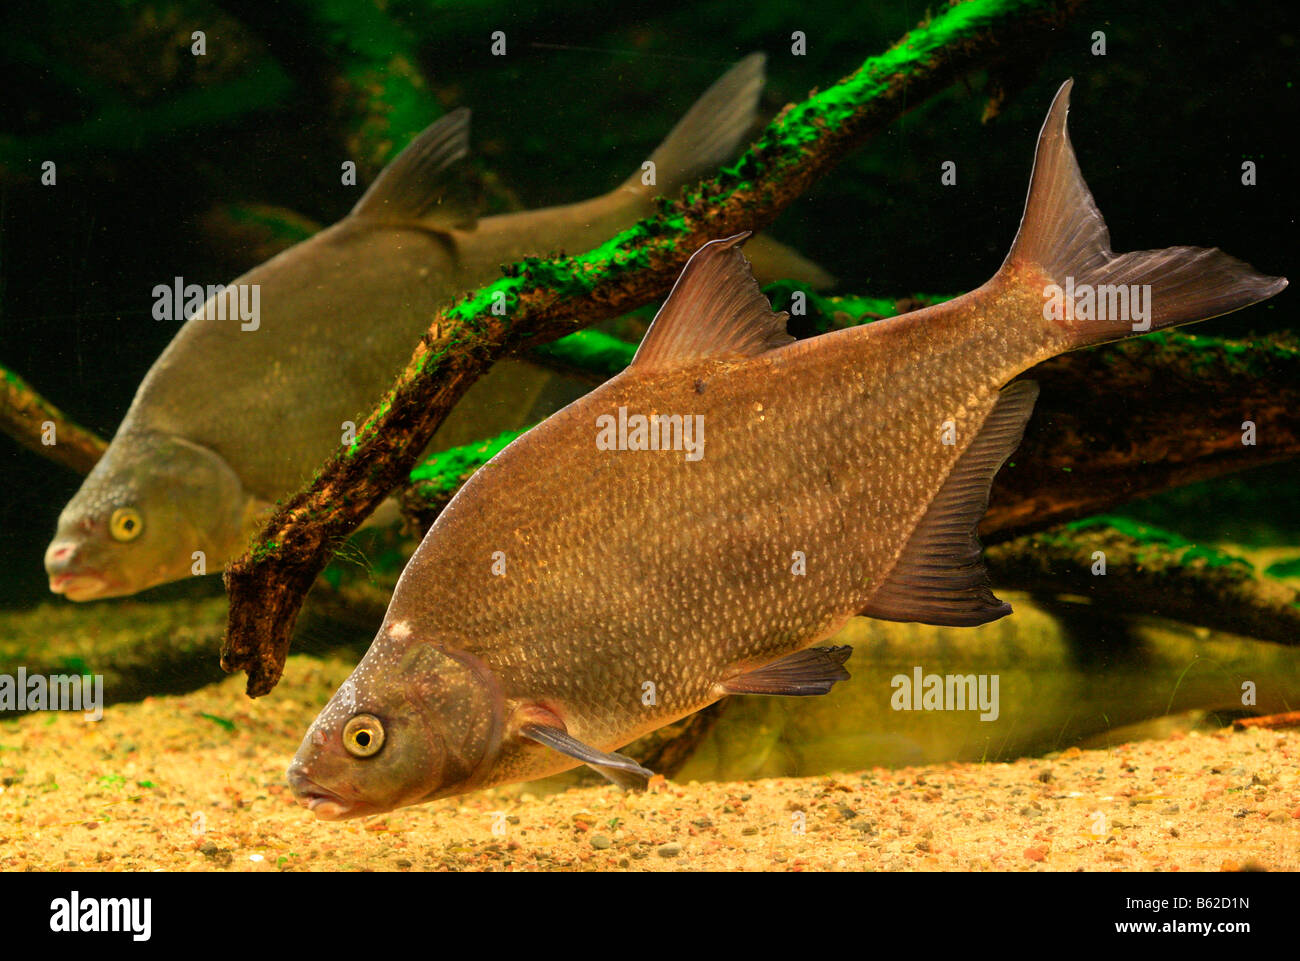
(230, 418)
(573, 597)
(695, 560)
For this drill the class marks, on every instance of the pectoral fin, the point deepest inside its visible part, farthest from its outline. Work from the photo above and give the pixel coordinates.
(622, 770)
(802, 674)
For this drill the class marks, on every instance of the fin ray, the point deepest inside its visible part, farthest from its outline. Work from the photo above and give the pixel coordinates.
(805, 673)
(619, 768)
(715, 309)
(1062, 232)
(415, 184)
(940, 576)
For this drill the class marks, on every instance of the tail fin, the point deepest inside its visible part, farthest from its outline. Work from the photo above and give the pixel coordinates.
(711, 130)
(1062, 233)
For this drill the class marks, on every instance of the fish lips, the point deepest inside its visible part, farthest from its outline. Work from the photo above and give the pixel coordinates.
(81, 585)
(327, 805)
(70, 575)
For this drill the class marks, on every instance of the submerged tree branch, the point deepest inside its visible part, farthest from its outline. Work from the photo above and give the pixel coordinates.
(33, 421)
(1136, 569)
(541, 300)
(1143, 415)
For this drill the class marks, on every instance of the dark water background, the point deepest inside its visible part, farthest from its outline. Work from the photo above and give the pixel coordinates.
(1162, 124)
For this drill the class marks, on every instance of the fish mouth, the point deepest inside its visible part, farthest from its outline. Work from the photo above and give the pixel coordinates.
(320, 801)
(82, 585)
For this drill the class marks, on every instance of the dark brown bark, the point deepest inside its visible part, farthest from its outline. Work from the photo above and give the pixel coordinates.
(1130, 419)
(1149, 572)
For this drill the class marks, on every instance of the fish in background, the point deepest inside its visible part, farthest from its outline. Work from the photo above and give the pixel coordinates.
(583, 589)
(229, 420)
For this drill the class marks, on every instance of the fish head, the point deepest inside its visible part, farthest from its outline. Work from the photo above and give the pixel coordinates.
(141, 515)
(417, 720)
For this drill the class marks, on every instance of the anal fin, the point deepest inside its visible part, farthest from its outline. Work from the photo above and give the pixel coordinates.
(940, 576)
(619, 768)
(801, 674)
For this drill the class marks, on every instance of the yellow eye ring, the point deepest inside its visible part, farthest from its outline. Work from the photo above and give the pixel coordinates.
(363, 735)
(126, 524)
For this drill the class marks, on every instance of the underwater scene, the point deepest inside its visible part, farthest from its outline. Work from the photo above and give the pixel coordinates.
(651, 437)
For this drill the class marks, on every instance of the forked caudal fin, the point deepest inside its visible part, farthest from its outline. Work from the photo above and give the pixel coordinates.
(1064, 246)
(1062, 233)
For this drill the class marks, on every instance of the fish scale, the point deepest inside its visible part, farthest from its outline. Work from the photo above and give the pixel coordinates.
(676, 596)
(628, 566)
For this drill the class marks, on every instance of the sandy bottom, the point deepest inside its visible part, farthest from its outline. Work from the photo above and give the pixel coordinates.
(196, 783)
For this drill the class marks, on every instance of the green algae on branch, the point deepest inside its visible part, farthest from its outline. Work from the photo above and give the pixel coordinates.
(1284, 569)
(24, 415)
(819, 314)
(1161, 540)
(545, 300)
(434, 482)
(590, 352)
(1150, 571)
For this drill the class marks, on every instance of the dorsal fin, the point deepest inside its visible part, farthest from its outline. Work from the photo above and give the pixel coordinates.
(940, 576)
(715, 310)
(416, 185)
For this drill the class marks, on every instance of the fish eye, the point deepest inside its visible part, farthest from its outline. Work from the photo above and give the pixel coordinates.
(363, 736)
(125, 524)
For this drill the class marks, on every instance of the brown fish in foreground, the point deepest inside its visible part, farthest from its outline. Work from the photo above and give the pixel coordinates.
(575, 596)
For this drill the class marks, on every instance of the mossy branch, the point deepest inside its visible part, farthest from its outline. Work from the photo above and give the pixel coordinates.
(541, 300)
(1090, 445)
(1137, 417)
(1150, 571)
(24, 415)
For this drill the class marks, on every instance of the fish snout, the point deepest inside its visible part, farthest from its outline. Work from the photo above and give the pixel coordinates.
(59, 556)
(68, 575)
(322, 802)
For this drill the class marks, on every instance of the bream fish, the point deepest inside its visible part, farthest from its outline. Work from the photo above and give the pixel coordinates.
(589, 585)
(228, 419)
